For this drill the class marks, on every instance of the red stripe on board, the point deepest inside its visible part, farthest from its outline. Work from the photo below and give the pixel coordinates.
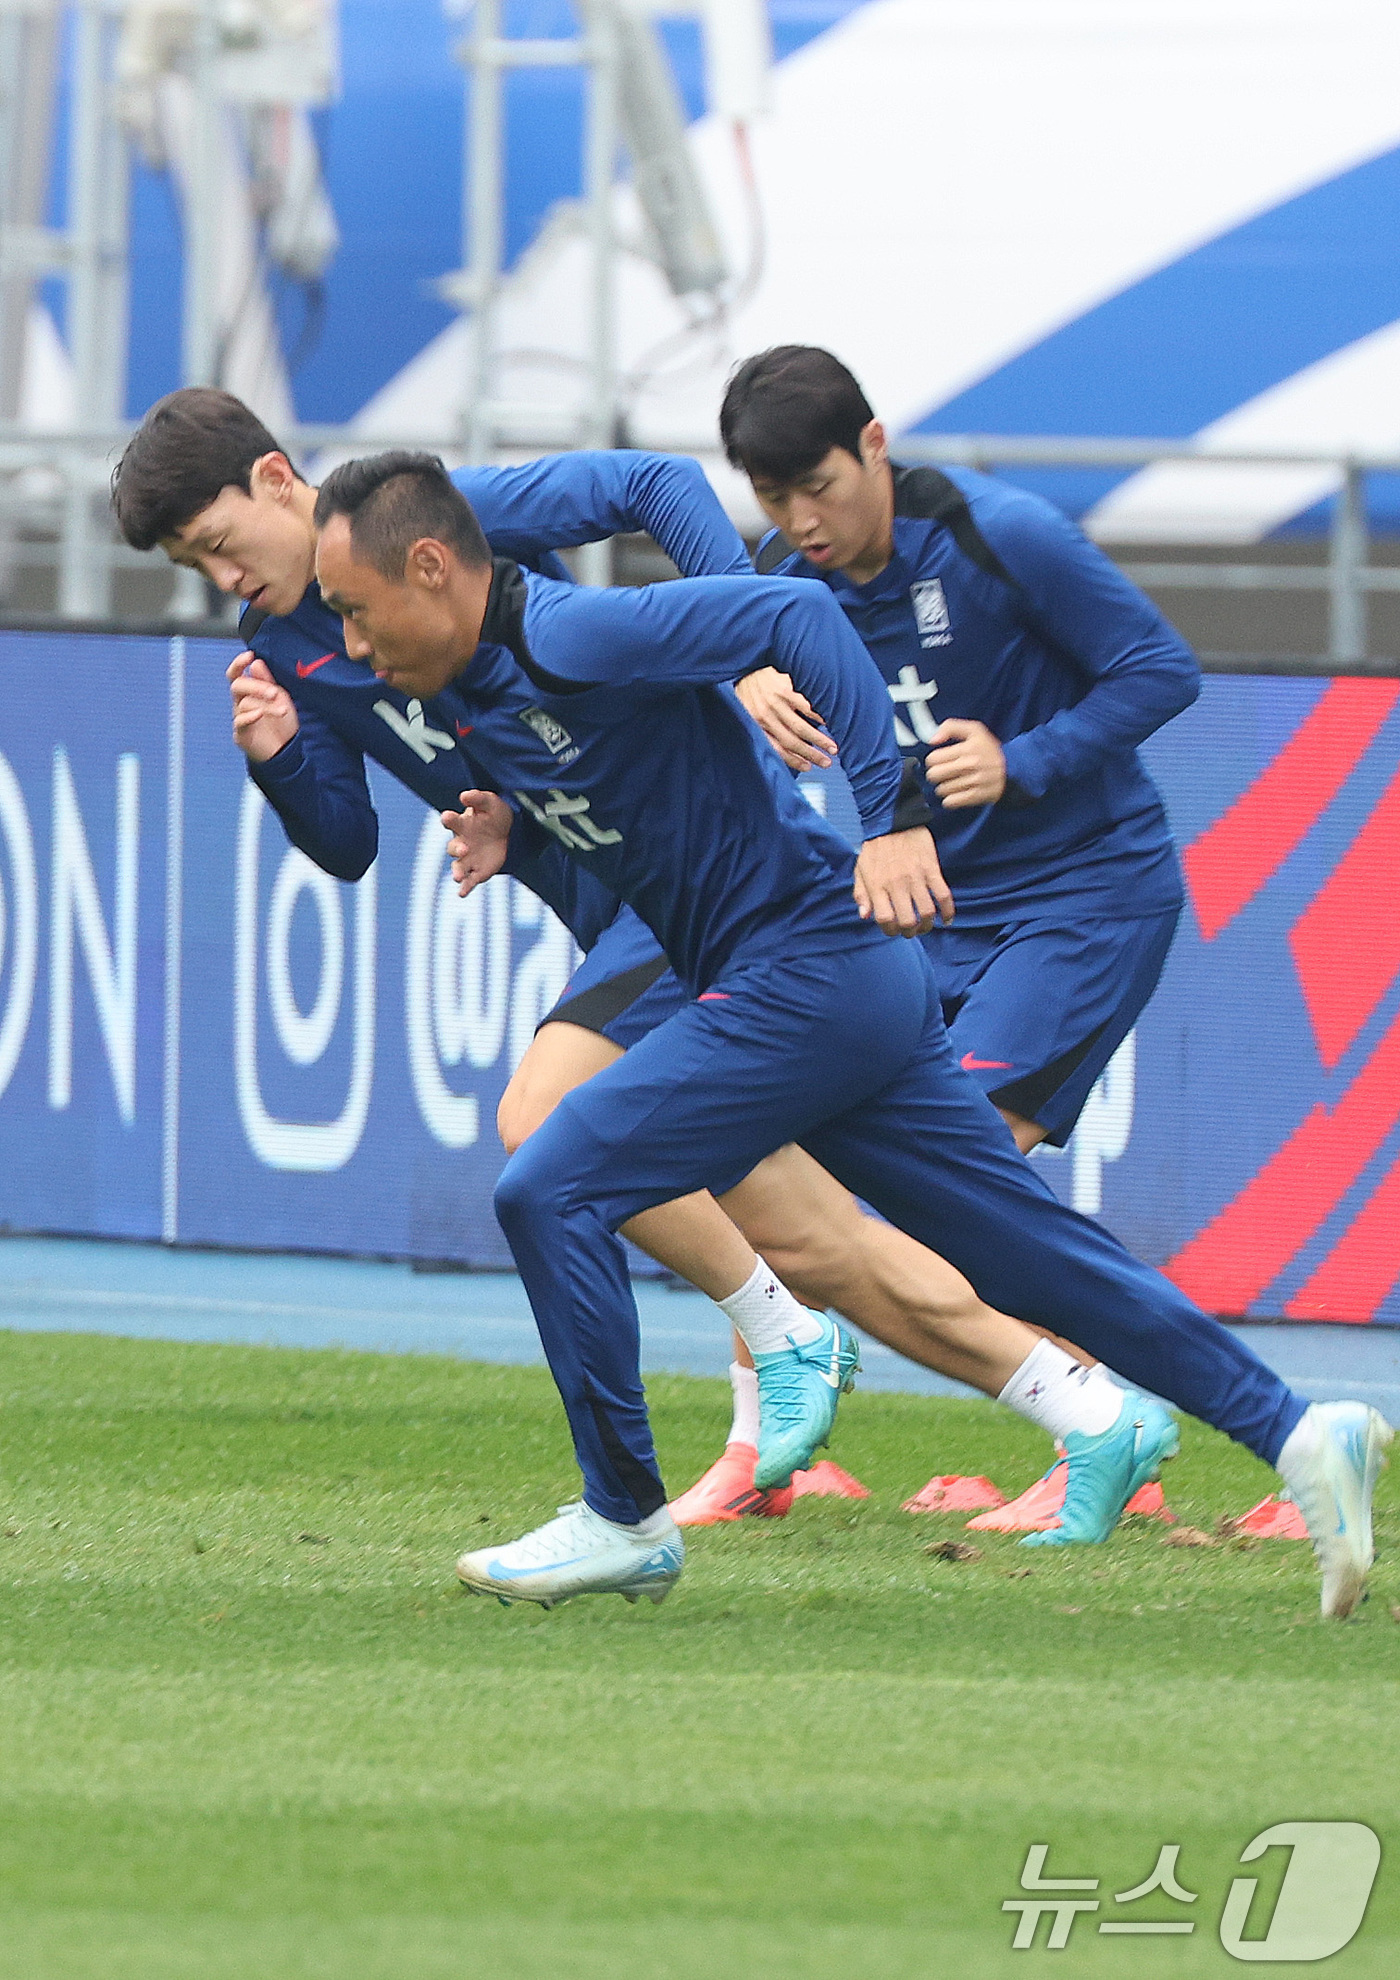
(1240, 853)
(1360, 1270)
(1346, 944)
(1227, 1265)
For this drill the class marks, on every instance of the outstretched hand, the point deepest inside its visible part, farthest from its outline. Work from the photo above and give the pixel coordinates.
(787, 718)
(480, 833)
(900, 884)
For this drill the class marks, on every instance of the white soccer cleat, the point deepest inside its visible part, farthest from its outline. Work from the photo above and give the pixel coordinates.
(580, 1553)
(1332, 1471)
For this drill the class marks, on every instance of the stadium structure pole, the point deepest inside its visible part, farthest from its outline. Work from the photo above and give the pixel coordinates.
(28, 70)
(96, 267)
(87, 253)
(484, 422)
(1346, 566)
(600, 165)
(483, 220)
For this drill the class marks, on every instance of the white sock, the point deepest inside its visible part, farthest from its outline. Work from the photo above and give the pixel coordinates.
(1057, 1392)
(654, 1527)
(1298, 1447)
(765, 1315)
(744, 1382)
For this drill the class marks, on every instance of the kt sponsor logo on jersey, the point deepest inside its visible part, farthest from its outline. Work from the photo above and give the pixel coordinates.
(411, 727)
(568, 819)
(913, 695)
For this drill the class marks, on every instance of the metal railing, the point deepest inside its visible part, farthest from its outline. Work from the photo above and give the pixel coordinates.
(79, 463)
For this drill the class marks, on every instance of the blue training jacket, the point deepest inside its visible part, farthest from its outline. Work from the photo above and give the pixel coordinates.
(608, 717)
(996, 608)
(317, 783)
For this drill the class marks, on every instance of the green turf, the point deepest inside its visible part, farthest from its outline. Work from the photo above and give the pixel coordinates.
(249, 1726)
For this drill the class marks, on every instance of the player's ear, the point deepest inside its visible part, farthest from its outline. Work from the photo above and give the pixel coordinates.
(874, 446)
(272, 475)
(427, 564)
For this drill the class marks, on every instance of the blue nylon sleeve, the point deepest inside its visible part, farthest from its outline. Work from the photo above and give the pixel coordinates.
(1139, 670)
(568, 499)
(705, 632)
(317, 787)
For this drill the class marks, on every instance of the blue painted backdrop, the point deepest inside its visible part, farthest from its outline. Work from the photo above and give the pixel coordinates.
(201, 1039)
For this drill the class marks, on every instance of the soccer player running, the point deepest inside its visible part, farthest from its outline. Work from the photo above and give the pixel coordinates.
(1024, 670)
(204, 478)
(806, 1023)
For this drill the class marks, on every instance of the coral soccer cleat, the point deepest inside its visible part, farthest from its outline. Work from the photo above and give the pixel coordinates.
(727, 1491)
(1033, 1510)
(1038, 1507)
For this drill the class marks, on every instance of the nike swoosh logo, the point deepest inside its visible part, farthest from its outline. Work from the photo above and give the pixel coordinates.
(834, 1376)
(305, 667)
(465, 728)
(969, 1064)
(499, 1573)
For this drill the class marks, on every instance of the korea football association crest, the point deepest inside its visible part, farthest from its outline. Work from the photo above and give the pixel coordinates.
(931, 612)
(551, 733)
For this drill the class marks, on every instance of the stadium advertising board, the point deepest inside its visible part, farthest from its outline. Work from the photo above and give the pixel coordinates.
(204, 1039)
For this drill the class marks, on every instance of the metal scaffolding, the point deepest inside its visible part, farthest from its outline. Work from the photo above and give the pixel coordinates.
(630, 101)
(28, 71)
(106, 53)
(53, 483)
(86, 252)
(486, 421)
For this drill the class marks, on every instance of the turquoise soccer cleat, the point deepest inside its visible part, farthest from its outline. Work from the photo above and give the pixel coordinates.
(798, 1390)
(1105, 1471)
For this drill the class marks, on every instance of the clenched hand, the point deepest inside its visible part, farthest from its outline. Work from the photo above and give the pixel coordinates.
(966, 766)
(264, 714)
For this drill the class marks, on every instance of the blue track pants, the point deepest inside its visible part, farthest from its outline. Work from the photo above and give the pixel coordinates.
(845, 1053)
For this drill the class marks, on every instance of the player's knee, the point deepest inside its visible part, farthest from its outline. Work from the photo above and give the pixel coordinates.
(523, 1107)
(1028, 1134)
(513, 1123)
(518, 1197)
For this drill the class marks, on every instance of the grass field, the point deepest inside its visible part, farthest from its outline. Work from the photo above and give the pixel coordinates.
(250, 1727)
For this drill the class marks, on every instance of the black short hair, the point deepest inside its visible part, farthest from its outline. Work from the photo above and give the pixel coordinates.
(785, 409)
(395, 499)
(191, 445)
